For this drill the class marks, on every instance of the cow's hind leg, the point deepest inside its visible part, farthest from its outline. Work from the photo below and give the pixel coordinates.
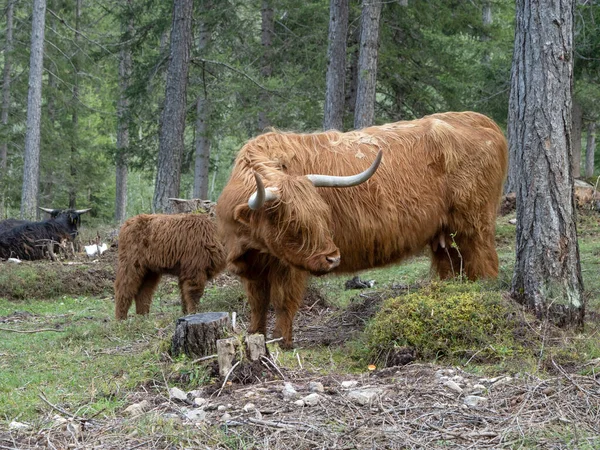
(191, 291)
(127, 285)
(287, 291)
(480, 257)
(145, 292)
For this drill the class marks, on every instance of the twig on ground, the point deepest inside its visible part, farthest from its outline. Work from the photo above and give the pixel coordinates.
(32, 331)
(204, 358)
(227, 377)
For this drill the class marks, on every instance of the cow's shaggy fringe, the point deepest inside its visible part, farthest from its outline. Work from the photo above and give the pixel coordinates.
(440, 181)
(150, 245)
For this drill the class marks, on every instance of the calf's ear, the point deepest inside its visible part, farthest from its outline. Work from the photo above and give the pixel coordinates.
(242, 214)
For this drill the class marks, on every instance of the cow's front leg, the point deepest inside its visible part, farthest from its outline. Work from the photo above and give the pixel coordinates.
(258, 299)
(287, 291)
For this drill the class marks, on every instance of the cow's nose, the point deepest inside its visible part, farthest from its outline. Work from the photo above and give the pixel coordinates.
(333, 260)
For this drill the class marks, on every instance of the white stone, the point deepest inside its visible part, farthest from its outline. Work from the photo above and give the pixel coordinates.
(452, 385)
(14, 425)
(136, 409)
(315, 386)
(249, 407)
(221, 408)
(299, 403)
(288, 391)
(479, 388)
(177, 394)
(196, 415)
(474, 400)
(458, 379)
(200, 402)
(349, 384)
(312, 399)
(225, 417)
(195, 393)
(364, 396)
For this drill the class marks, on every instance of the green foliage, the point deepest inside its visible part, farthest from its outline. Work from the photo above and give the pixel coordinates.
(446, 320)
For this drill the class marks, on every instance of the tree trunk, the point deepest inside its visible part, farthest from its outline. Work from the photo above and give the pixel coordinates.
(172, 122)
(31, 164)
(6, 85)
(352, 73)
(266, 39)
(547, 274)
(123, 123)
(577, 120)
(590, 149)
(75, 116)
(196, 335)
(202, 162)
(364, 112)
(336, 65)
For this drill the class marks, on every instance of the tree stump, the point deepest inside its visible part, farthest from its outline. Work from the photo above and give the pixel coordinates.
(196, 335)
(226, 351)
(255, 346)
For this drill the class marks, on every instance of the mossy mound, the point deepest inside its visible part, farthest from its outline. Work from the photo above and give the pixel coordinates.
(454, 320)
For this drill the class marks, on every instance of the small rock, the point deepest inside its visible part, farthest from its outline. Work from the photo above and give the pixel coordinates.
(249, 407)
(364, 396)
(199, 401)
(474, 400)
(250, 394)
(225, 417)
(289, 393)
(312, 399)
(440, 374)
(452, 385)
(196, 415)
(443, 379)
(458, 379)
(479, 388)
(177, 394)
(221, 408)
(137, 408)
(315, 386)
(194, 394)
(512, 221)
(349, 384)
(14, 425)
(299, 403)
(500, 381)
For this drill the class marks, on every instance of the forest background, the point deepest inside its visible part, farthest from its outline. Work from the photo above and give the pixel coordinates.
(252, 65)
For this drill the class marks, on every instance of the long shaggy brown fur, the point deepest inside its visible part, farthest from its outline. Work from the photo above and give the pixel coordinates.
(184, 245)
(439, 182)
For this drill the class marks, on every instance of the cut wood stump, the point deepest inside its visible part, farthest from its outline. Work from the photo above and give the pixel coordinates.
(231, 351)
(196, 335)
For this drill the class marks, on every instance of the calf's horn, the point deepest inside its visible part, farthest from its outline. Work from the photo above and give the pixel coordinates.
(347, 181)
(261, 195)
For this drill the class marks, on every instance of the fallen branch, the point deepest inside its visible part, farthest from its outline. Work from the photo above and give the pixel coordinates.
(32, 331)
(227, 377)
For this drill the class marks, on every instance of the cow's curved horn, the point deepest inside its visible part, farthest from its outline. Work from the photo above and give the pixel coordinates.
(261, 195)
(82, 211)
(352, 180)
(48, 210)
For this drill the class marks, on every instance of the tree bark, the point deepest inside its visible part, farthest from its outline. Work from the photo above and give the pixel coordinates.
(8, 48)
(336, 65)
(123, 123)
(547, 273)
(31, 164)
(196, 335)
(364, 112)
(172, 122)
(577, 120)
(75, 106)
(202, 155)
(266, 39)
(590, 149)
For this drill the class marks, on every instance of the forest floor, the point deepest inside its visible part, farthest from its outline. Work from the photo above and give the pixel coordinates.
(72, 377)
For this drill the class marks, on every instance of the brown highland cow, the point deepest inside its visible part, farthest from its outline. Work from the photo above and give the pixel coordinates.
(184, 245)
(439, 182)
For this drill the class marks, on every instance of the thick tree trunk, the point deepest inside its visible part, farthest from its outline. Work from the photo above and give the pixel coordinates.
(364, 112)
(172, 122)
(202, 155)
(196, 335)
(577, 119)
(352, 73)
(31, 164)
(336, 65)
(547, 274)
(75, 116)
(8, 47)
(123, 125)
(266, 39)
(590, 149)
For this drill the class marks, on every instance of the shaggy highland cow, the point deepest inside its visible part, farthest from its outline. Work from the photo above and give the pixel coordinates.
(184, 245)
(439, 182)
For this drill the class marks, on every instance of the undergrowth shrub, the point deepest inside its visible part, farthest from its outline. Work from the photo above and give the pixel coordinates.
(446, 320)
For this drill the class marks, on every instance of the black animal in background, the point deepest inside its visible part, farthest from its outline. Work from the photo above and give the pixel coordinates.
(29, 240)
(9, 224)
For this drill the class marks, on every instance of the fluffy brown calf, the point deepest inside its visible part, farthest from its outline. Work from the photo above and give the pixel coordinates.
(439, 183)
(184, 245)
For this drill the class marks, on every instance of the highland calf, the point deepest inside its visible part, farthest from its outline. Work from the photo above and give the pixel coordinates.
(439, 183)
(150, 245)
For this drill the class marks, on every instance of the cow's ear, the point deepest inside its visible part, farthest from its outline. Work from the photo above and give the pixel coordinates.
(242, 213)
